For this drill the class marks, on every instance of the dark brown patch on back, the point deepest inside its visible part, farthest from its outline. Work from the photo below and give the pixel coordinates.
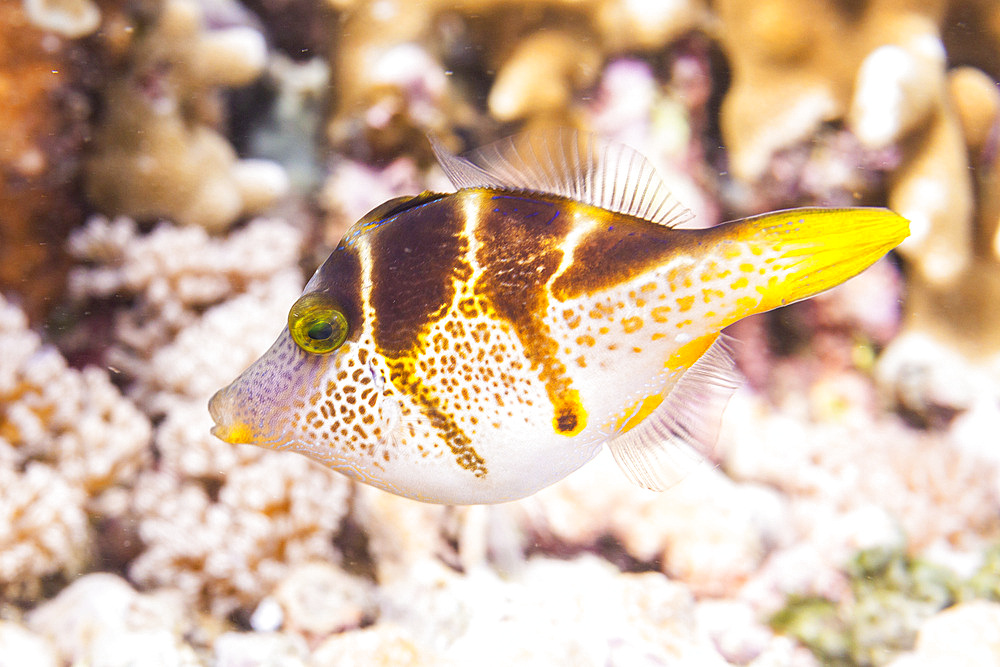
(619, 249)
(340, 278)
(521, 240)
(416, 256)
(418, 252)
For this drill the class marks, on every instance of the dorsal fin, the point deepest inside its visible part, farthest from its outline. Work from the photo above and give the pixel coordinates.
(681, 432)
(570, 164)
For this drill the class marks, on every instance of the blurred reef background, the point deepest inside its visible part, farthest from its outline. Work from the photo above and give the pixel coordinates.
(172, 170)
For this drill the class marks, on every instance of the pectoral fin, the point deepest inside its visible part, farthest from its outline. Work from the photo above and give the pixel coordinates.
(681, 432)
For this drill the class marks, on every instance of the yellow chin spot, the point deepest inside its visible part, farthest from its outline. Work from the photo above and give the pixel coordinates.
(237, 433)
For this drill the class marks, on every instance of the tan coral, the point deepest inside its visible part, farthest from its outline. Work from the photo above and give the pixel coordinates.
(921, 369)
(156, 152)
(880, 69)
(270, 515)
(43, 117)
(175, 275)
(543, 56)
(66, 438)
(69, 18)
(542, 75)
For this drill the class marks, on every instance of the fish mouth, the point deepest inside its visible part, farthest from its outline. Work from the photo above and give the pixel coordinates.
(235, 425)
(227, 428)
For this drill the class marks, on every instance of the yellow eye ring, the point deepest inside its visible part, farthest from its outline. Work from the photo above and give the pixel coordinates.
(316, 324)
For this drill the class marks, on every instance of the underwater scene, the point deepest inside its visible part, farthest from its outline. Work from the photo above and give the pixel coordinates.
(499, 332)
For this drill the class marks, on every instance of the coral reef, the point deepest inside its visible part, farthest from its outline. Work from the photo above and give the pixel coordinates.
(227, 552)
(156, 152)
(173, 275)
(881, 69)
(442, 618)
(964, 634)
(890, 597)
(220, 524)
(826, 530)
(68, 442)
(43, 115)
(896, 602)
(406, 68)
(100, 620)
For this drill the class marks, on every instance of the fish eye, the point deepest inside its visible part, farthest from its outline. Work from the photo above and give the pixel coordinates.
(317, 325)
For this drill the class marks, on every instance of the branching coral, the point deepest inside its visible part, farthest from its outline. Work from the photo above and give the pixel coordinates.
(270, 515)
(156, 152)
(173, 275)
(66, 437)
(222, 524)
(44, 529)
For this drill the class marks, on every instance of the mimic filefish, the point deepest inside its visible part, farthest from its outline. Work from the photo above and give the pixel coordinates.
(476, 346)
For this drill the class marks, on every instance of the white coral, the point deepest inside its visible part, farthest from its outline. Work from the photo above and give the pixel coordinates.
(164, 342)
(270, 515)
(69, 18)
(100, 620)
(707, 531)
(580, 612)
(20, 646)
(66, 436)
(43, 528)
(836, 473)
(74, 420)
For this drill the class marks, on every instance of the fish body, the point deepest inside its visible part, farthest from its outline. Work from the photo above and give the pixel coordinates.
(477, 346)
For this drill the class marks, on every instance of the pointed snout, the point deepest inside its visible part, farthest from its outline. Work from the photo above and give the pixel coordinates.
(228, 426)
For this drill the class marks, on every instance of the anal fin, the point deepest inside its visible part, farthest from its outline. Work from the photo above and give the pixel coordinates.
(681, 432)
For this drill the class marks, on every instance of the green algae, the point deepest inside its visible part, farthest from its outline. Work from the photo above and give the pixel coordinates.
(891, 595)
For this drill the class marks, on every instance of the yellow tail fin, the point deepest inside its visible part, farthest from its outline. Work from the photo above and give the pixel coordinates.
(814, 249)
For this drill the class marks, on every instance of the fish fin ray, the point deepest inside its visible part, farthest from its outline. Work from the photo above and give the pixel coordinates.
(461, 172)
(680, 433)
(819, 248)
(569, 164)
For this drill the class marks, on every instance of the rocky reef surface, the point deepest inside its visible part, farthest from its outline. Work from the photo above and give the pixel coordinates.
(172, 170)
